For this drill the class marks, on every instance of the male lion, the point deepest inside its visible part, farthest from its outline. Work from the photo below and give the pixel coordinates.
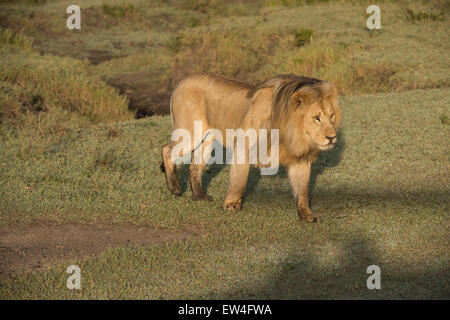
(304, 110)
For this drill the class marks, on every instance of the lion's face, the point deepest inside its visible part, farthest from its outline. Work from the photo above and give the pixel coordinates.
(311, 124)
(320, 123)
(306, 112)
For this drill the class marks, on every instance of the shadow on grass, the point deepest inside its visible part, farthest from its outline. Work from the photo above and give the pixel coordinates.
(382, 198)
(304, 275)
(183, 175)
(337, 202)
(209, 173)
(328, 159)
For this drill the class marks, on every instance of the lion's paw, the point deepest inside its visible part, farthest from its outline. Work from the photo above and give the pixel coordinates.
(232, 205)
(310, 217)
(176, 190)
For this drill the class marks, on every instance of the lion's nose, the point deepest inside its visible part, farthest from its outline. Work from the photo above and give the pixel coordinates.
(331, 138)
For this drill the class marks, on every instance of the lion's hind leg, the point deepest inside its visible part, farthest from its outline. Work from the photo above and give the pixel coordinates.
(170, 170)
(195, 181)
(195, 173)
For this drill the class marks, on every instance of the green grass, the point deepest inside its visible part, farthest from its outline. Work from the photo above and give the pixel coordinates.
(383, 192)
(118, 11)
(423, 16)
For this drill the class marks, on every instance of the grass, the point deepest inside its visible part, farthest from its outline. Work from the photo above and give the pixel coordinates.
(71, 150)
(422, 16)
(118, 11)
(383, 193)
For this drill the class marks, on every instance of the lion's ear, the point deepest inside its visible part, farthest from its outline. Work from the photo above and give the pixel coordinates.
(298, 99)
(304, 96)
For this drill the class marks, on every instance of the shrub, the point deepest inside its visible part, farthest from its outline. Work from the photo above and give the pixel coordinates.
(303, 36)
(118, 11)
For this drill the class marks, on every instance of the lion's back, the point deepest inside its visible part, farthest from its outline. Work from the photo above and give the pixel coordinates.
(213, 99)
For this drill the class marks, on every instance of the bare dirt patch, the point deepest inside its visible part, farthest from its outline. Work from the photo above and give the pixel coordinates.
(35, 247)
(145, 96)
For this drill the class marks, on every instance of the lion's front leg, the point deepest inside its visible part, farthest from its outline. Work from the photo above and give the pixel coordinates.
(299, 175)
(238, 182)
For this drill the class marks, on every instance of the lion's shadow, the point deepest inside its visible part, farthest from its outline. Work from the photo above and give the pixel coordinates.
(328, 159)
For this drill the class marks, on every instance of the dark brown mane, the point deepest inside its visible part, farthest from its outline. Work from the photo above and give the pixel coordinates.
(283, 79)
(284, 86)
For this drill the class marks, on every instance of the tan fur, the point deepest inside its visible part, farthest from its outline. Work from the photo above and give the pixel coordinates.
(286, 102)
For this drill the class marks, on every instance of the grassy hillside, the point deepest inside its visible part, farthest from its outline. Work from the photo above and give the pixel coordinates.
(383, 192)
(48, 93)
(145, 47)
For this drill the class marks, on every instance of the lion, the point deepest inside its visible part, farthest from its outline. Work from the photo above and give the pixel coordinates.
(304, 110)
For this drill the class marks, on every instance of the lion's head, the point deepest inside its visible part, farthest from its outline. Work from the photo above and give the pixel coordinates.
(306, 113)
(316, 109)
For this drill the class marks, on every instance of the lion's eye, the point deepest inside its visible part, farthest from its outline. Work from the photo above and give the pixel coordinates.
(317, 118)
(332, 116)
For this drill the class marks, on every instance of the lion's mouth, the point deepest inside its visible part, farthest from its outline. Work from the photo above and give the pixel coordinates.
(327, 146)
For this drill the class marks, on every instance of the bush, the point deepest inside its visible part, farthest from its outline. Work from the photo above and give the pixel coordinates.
(303, 36)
